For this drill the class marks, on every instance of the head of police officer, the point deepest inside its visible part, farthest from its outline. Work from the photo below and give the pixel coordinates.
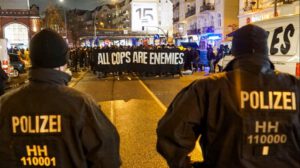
(49, 50)
(250, 40)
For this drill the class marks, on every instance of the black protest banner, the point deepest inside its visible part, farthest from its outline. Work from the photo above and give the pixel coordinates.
(153, 61)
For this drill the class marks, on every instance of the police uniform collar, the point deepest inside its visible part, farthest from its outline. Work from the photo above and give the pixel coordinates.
(47, 75)
(249, 62)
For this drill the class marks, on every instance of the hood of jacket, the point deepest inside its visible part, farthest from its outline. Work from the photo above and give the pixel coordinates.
(250, 62)
(50, 76)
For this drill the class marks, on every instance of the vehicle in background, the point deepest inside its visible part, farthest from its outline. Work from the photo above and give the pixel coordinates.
(283, 42)
(17, 63)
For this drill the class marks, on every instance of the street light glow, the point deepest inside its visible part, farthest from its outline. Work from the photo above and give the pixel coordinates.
(61, 0)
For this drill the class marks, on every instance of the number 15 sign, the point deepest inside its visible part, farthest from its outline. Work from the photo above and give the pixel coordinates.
(143, 14)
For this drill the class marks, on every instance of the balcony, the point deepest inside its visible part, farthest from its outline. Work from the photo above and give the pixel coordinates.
(191, 11)
(175, 20)
(193, 31)
(206, 7)
(289, 1)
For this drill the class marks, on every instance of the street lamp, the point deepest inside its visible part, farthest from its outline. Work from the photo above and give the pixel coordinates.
(65, 20)
(28, 4)
(275, 9)
(166, 34)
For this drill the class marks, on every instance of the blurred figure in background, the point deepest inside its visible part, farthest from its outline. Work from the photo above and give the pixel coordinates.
(195, 59)
(188, 57)
(3, 78)
(211, 58)
(220, 55)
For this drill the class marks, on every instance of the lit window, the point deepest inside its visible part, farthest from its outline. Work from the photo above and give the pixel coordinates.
(16, 34)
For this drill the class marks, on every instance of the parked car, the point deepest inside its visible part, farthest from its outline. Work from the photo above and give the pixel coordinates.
(17, 63)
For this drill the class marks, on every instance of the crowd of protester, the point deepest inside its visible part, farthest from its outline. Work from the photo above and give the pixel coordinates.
(86, 58)
(83, 58)
(214, 57)
(194, 62)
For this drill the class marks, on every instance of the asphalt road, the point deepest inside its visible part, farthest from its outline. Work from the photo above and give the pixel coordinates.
(135, 106)
(15, 82)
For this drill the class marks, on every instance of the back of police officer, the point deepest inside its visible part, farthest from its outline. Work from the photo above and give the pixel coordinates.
(47, 124)
(248, 116)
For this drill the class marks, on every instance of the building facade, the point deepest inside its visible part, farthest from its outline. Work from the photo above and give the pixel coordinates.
(257, 10)
(19, 25)
(204, 19)
(131, 20)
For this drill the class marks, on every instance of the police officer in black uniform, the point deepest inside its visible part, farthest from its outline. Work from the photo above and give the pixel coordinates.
(47, 124)
(247, 116)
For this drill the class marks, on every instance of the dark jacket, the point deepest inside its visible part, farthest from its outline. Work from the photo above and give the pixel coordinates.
(188, 58)
(249, 117)
(210, 54)
(56, 124)
(3, 78)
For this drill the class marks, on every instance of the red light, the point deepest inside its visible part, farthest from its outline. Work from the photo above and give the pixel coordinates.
(5, 62)
(298, 69)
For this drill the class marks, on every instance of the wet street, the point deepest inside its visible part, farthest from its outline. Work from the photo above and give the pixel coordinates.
(135, 106)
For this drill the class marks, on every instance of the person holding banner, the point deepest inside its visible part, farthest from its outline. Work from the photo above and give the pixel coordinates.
(188, 59)
(248, 116)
